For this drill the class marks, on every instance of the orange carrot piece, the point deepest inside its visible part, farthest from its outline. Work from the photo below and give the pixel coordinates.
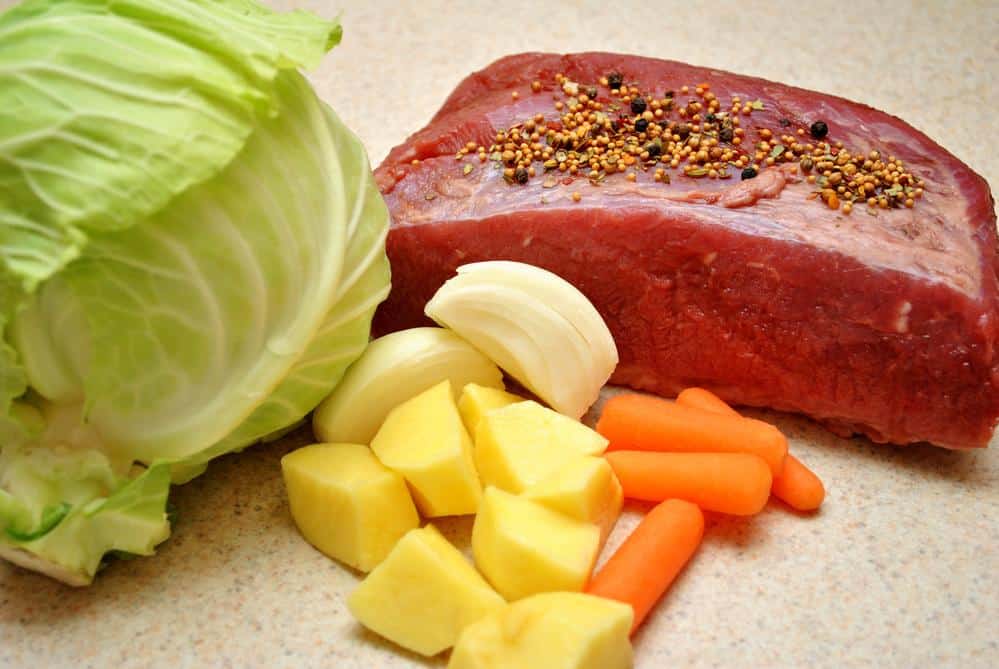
(705, 400)
(647, 562)
(736, 483)
(796, 484)
(642, 423)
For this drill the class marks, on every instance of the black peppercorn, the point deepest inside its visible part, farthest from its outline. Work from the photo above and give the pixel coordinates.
(683, 130)
(710, 118)
(726, 133)
(638, 105)
(520, 175)
(819, 129)
(641, 125)
(748, 173)
(591, 92)
(614, 80)
(654, 148)
(785, 122)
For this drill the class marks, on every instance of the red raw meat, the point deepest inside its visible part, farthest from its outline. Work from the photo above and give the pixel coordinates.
(882, 322)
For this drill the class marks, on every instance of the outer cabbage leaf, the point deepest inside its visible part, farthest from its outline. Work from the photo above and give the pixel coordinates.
(12, 382)
(132, 519)
(110, 109)
(343, 334)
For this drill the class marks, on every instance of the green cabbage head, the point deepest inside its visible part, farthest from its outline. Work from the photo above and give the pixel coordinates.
(191, 251)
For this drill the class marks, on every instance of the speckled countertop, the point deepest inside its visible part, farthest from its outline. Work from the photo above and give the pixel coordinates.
(901, 567)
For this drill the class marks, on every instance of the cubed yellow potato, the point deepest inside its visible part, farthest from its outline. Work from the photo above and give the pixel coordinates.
(557, 630)
(346, 503)
(423, 594)
(476, 400)
(520, 444)
(585, 489)
(523, 548)
(424, 440)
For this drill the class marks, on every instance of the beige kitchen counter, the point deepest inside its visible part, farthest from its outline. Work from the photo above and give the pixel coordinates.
(900, 568)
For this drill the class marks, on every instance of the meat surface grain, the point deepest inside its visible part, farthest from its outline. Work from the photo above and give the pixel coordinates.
(881, 321)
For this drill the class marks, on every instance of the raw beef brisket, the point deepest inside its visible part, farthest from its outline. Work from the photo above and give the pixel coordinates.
(880, 320)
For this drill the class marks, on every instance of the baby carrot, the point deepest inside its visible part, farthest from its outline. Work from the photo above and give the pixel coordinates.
(651, 557)
(796, 484)
(705, 400)
(643, 423)
(736, 483)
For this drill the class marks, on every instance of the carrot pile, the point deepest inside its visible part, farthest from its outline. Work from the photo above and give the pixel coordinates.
(692, 454)
(645, 423)
(795, 484)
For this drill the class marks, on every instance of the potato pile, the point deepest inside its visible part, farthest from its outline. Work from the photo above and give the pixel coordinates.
(544, 504)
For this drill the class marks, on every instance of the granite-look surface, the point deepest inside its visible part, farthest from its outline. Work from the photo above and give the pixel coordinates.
(899, 569)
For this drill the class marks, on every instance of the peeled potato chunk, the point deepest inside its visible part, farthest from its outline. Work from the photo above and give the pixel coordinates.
(476, 400)
(520, 444)
(585, 489)
(423, 594)
(346, 503)
(424, 440)
(558, 630)
(523, 548)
